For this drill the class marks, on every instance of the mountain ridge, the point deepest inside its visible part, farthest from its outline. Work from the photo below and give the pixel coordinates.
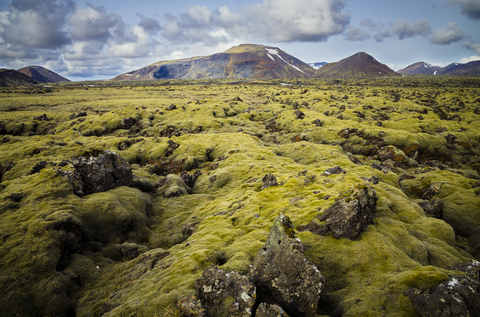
(454, 69)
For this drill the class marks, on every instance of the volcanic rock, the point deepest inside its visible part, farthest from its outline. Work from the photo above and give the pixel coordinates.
(282, 273)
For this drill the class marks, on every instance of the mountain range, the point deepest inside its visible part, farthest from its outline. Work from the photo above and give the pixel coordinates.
(454, 69)
(250, 61)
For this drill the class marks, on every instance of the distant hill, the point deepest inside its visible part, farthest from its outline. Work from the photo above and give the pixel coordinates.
(317, 65)
(243, 61)
(454, 69)
(359, 65)
(420, 68)
(12, 78)
(42, 74)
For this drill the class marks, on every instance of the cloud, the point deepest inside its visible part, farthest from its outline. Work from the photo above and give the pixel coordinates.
(381, 32)
(449, 34)
(470, 59)
(31, 24)
(150, 25)
(470, 8)
(404, 29)
(356, 34)
(296, 21)
(92, 24)
(474, 46)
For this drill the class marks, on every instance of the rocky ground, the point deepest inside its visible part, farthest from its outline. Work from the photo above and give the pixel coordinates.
(305, 198)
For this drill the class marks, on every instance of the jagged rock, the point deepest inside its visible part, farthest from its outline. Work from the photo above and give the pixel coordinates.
(299, 114)
(190, 179)
(5, 167)
(100, 173)
(172, 186)
(318, 122)
(374, 179)
(38, 167)
(172, 146)
(268, 181)
(431, 190)
(457, 296)
(225, 294)
(334, 170)
(282, 273)
(43, 117)
(267, 310)
(75, 116)
(271, 125)
(189, 228)
(170, 131)
(128, 122)
(171, 107)
(350, 215)
(434, 208)
(191, 306)
(143, 184)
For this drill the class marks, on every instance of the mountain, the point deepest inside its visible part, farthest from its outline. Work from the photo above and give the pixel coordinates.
(242, 61)
(42, 74)
(11, 78)
(317, 65)
(359, 65)
(420, 68)
(454, 69)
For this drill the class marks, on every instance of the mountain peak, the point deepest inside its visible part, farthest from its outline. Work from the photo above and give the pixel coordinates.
(358, 65)
(42, 74)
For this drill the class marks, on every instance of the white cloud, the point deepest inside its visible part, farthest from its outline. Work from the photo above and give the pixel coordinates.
(449, 34)
(302, 21)
(470, 59)
(403, 29)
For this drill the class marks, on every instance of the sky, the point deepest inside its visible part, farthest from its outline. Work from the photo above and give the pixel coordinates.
(95, 40)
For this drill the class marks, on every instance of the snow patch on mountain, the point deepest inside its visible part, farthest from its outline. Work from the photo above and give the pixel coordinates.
(276, 53)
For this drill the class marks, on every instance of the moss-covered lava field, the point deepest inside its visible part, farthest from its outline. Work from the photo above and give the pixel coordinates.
(198, 154)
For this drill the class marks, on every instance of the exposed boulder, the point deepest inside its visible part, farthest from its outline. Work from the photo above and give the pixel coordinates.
(5, 167)
(267, 310)
(434, 208)
(282, 273)
(225, 294)
(334, 170)
(191, 306)
(431, 190)
(268, 181)
(351, 214)
(128, 122)
(457, 296)
(98, 172)
(172, 146)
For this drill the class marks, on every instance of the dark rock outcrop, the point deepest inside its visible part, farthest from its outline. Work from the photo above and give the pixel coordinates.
(350, 215)
(98, 173)
(223, 293)
(334, 170)
(5, 167)
(268, 181)
(457, 296)
(434, 208)
(267, 310)
(128, 122)
(172, 146)
(282, 273)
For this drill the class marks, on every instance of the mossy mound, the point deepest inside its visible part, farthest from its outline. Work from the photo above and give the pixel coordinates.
(198, 197)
